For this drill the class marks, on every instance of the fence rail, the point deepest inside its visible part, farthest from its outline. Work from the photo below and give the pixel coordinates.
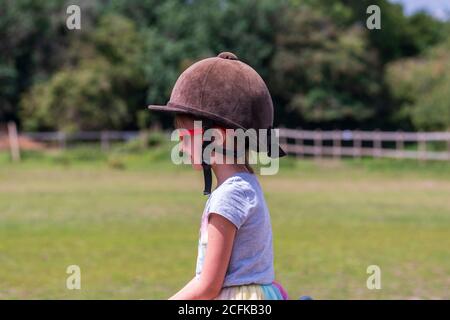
(319, 143)
(316, 143)
(82, 136)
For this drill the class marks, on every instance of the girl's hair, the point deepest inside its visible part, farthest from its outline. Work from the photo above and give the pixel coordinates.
(181, 121)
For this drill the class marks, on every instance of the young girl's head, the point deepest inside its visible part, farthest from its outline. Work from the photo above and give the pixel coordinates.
(221, 135)
(224, 92)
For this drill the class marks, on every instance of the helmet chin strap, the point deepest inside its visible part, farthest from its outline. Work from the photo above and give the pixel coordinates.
(207, 178)
(206, 164)
(207, 175)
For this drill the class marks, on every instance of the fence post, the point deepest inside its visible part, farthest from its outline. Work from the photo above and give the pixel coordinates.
(377, 144)
(422, 146)
(317, 143)
(357, 144)
(13, 141)
(299, 143)
(62, 139)
(399, 144)
(337, 135)
(104, 138)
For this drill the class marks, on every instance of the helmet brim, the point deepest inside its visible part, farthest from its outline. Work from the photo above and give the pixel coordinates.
(167, 108)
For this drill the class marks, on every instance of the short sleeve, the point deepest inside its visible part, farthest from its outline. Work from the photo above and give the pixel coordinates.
(233, 202)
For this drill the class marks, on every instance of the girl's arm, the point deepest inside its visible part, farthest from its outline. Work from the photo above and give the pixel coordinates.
(221, 234)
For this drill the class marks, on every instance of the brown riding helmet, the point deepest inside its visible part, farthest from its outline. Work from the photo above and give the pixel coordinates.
(223, 90)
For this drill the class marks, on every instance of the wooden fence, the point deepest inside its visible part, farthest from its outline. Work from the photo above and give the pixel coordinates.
(380, 144)
(315, 143)
(62, 139)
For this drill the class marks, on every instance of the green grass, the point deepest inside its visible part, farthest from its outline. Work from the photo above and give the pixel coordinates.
(131, 220)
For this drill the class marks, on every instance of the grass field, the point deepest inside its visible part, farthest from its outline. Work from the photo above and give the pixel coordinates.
(131, 223)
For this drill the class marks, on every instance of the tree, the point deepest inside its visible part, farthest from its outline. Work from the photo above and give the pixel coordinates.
(321, 64)
(324, 73)
(399, 36)
(34, 42)
(422, 88)
(179, 33)
(99, 88)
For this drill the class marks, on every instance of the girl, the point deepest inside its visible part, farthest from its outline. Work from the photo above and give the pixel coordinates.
(235, 254)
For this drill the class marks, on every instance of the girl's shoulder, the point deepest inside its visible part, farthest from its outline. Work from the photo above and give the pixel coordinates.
(235, 199)
(240, 185)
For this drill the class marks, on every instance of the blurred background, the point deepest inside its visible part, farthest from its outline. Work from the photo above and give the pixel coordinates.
(85, 170)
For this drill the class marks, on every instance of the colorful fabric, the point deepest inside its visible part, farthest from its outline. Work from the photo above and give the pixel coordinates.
(272, 291)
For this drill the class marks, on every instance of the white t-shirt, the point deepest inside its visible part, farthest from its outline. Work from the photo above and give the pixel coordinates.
(240, 200)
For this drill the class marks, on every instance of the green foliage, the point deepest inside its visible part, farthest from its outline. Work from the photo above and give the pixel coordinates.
(116, 163)
(145, 141)
(432, 111)
(34, 45)
(322, 66)
(399, 36)
(80, 99)
(93, 94)
(323, 72)
(421, 86)
(181, 33)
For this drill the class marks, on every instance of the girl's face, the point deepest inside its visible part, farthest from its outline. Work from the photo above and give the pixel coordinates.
(191, 140)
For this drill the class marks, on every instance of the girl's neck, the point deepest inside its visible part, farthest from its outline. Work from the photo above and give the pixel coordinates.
(224, 171)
